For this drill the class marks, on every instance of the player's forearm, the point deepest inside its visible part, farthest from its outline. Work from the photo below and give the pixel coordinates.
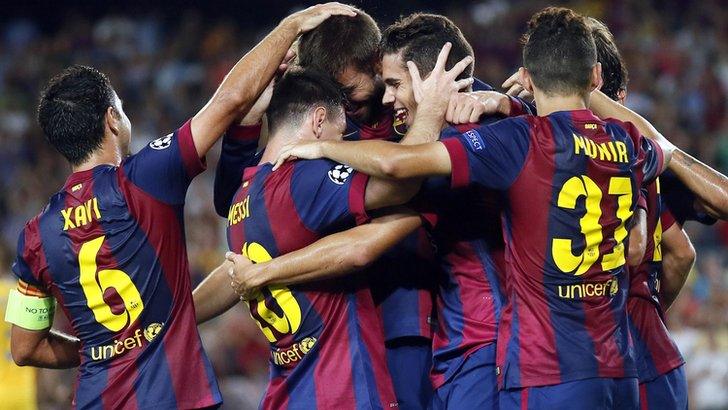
(637, 238)
(214, 296)
(242, 85)
(605, 107)
(338, 254)
(709, 185)
(48, 349)
(678, 257)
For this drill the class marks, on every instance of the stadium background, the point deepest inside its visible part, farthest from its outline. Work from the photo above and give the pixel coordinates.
(165, 60)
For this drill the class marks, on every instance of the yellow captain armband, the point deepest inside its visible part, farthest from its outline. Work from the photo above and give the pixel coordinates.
(30, 312)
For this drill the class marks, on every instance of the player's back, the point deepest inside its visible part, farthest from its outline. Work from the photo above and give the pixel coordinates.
(110, 248)
(571, 183)
(573, 198)
(327, 347)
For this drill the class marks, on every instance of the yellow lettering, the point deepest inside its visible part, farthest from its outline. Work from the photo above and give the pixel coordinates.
(129, 343)
(622, 187)
(96, 208)
(592, 148)
(622, 150)
(604, 154)
(589, 289)
(67, 223)
(80, 214)
(578, 144)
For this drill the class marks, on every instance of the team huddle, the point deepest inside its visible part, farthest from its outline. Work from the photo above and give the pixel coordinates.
(404, 235)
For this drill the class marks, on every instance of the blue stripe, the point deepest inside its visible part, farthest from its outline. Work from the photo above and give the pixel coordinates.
(491, 275)
(364, 380)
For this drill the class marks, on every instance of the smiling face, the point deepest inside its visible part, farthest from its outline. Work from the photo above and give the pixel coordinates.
(398, 91)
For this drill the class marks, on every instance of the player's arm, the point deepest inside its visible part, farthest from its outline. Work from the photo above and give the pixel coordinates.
(605, 107)
(678, 257)
(46, 348)
(637, 238)
(214, 296)
(709, 185)
(249, 77)
(332, 256)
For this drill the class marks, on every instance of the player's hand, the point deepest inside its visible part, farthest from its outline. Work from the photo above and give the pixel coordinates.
(256, 112)
(515, 88)
(299, 150)
(434, 92)
(467, 108)
(310, 18)
(242, 282)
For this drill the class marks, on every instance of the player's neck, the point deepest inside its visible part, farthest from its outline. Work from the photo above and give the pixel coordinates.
(276, 142)
(550, 104)
(108, 154)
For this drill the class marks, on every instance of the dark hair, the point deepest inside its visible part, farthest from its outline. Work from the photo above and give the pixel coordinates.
(559, 51)
(420, 37)
(298, 92)
(614, 69)
(71, 111)
(340, 42)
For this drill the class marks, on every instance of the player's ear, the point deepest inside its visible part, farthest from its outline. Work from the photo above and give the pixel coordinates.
(112, 120)
(524, 77)
(621, 96)
(596, 77)
(319, 117)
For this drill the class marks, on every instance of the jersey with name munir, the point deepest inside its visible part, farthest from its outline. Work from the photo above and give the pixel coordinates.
(326, 341)
(571, 183)
(110, 248)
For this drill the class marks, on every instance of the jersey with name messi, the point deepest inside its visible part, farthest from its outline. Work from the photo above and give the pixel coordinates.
(655, 351)
(571, 182)
(110, 248)
(326, 341)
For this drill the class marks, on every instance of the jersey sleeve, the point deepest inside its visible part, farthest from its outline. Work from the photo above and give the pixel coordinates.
(650, 158)
(24, 264)
(328, 195)
(166, 166)
(239, 151)
(491, 155)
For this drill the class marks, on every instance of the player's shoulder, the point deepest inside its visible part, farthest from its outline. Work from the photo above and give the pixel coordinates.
(618, 127)
(321, 170)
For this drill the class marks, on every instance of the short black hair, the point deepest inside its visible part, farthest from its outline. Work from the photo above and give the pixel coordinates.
(71, 111)
(420, 37)
(559, 51)
(614, 69)
(341, 42)
(298, 92)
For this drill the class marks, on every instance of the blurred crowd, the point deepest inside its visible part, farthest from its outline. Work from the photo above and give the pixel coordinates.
(165, 69)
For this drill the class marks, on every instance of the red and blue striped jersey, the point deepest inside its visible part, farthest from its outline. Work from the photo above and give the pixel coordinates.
(465, 228)
(655, 351)
(571, 183)
(327, 345)
(110, 247)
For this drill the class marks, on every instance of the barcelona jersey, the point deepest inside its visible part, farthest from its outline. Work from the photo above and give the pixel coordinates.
(571, 183)
(110, 248)
(326, 341)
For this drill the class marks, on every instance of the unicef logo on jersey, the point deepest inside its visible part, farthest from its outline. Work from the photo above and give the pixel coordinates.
(161, 143)
(340, 173)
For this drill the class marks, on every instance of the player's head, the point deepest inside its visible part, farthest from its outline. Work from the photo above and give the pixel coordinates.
(79, 111)
(614, 69)
(418, 38)
(307, 103)
(347, 49)
(559, 55)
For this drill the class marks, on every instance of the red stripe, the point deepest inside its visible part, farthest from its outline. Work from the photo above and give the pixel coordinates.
(524, 398)
(244, 132)
(181, 341)
(644, 405)
(357, 195)
(458, 162)
(194, 164)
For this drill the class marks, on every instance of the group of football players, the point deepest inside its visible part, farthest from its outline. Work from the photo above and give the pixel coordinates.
(404, 235)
